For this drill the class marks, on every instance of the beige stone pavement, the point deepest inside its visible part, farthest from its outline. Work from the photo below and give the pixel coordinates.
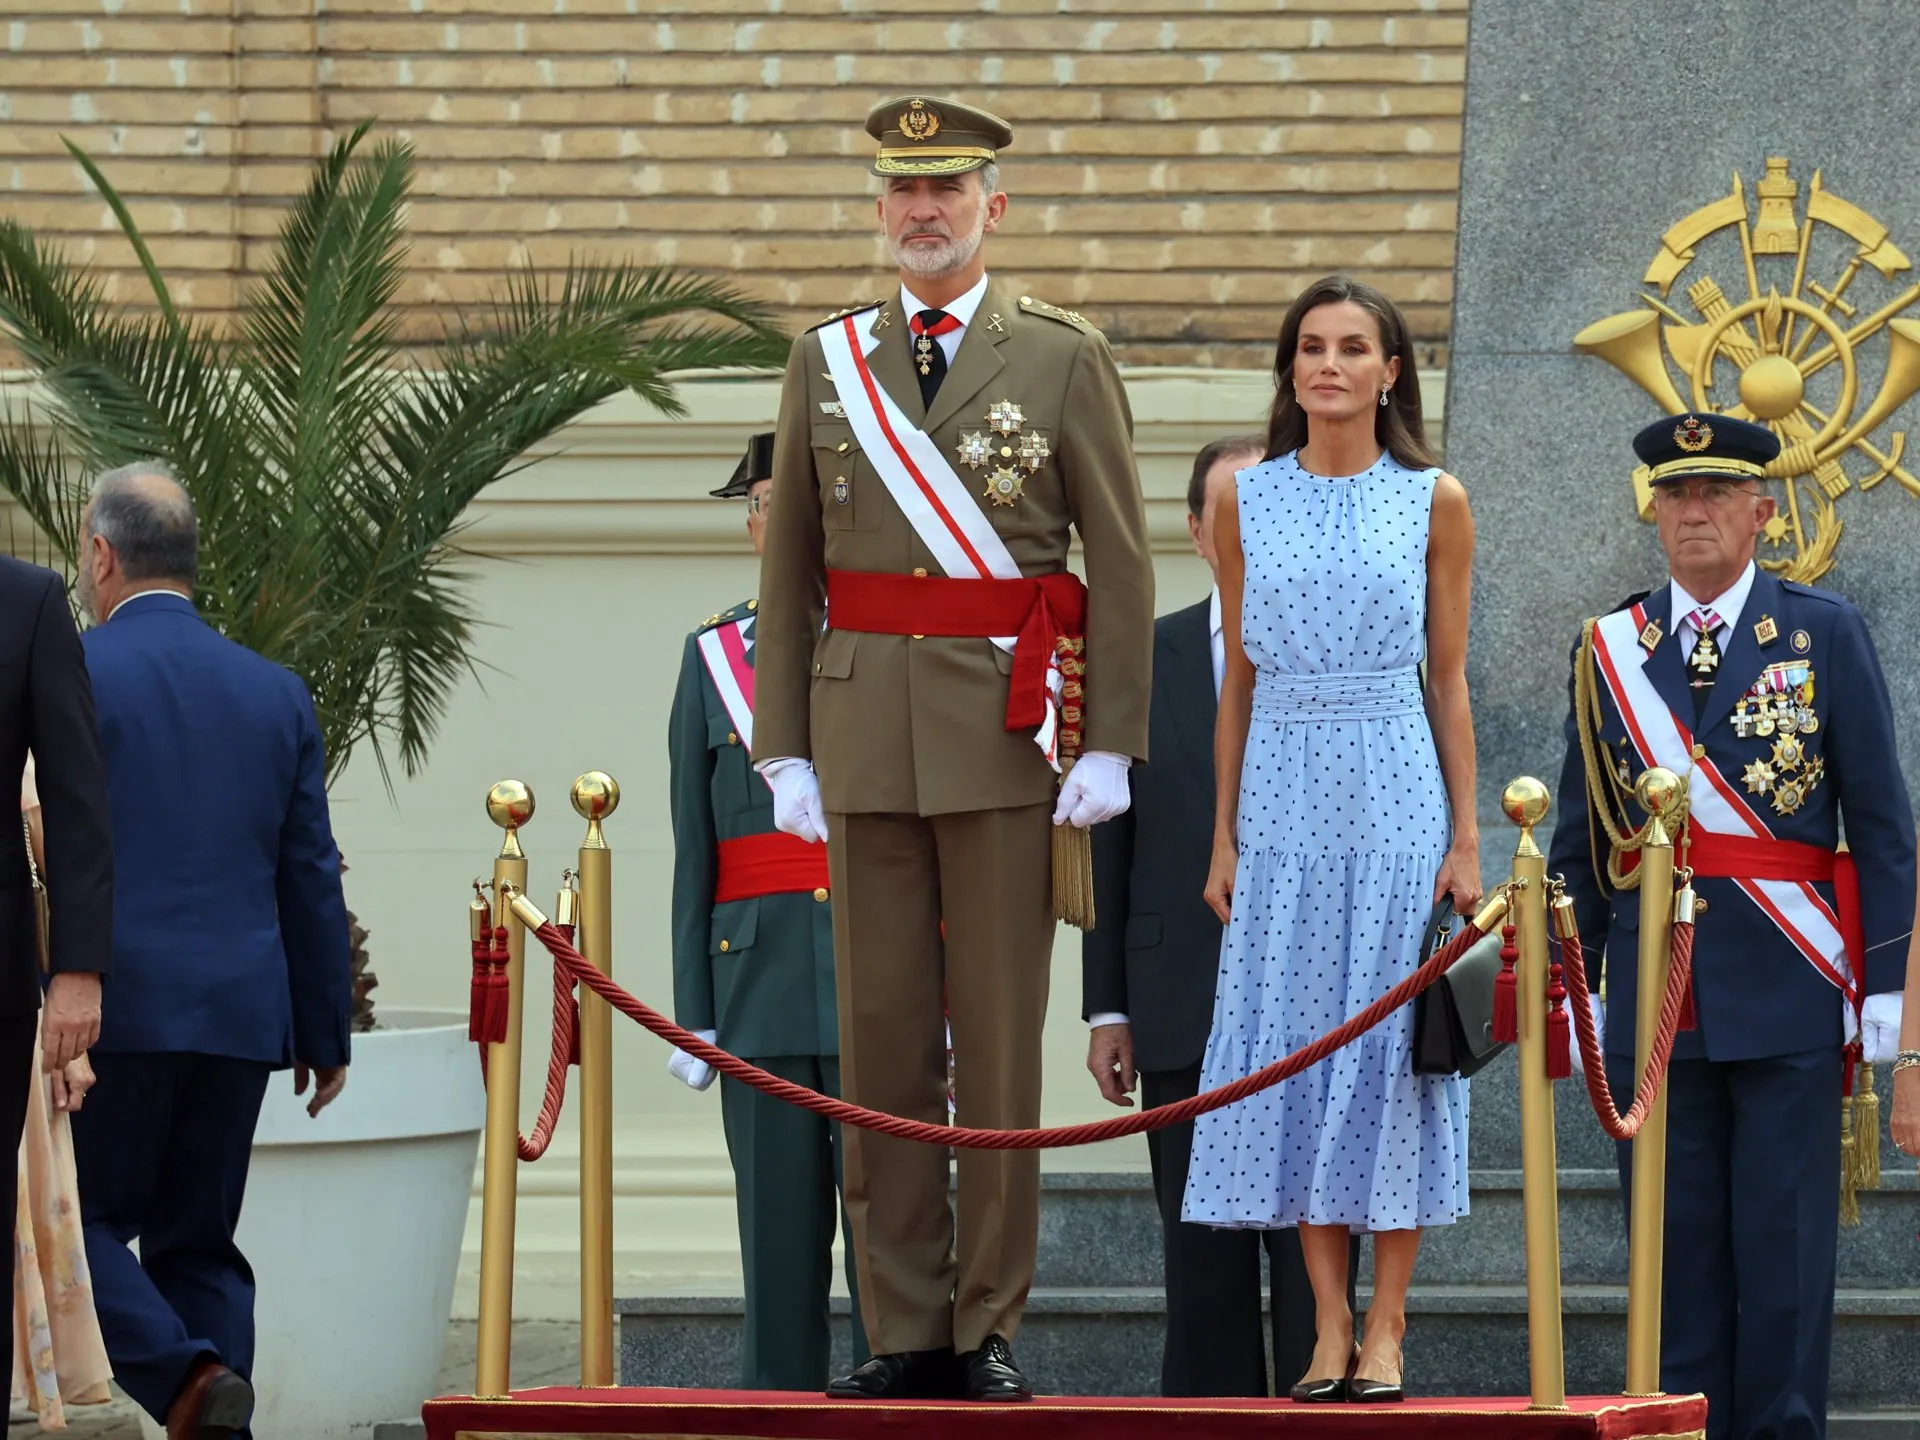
(545, 1352)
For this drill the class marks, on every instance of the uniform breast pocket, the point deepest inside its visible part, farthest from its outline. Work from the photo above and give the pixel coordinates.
(844, 480)
(733, 777)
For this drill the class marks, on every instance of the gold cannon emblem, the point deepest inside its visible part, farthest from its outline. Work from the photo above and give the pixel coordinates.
(1794, 349)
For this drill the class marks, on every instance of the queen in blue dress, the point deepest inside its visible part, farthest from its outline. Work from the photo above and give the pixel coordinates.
(1346, 811)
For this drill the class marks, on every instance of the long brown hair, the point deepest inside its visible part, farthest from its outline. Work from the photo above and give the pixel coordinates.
(1397, 425)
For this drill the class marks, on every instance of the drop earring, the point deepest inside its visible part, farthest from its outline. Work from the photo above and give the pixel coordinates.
(1384, 391)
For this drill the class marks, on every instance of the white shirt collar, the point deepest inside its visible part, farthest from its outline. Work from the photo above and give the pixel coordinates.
(1213, 612)
(1727, 605)
(141, 595)
(961, 309)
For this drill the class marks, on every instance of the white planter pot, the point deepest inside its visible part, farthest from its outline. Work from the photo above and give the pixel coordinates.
(352, 1224)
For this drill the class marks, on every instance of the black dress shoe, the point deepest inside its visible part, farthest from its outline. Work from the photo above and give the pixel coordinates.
(992, 1375)
(1375, 1392)
(908, 1375)
(1331, 1391)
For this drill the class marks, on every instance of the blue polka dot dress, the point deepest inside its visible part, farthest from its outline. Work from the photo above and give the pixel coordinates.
(1343, 825)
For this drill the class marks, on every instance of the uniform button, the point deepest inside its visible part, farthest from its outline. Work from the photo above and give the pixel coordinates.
(816, 667)
(919, 572)
(919, 637)
(726, 945)
(753, 604)
(820, 895)
(1006, 452)
(732, 739)
(841, 448)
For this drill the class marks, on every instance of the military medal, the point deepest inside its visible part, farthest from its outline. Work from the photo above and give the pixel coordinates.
(1802, 642)
(1650, 637)
(1004, 418)
(974, 450)
(1033, 451)
(1004, 485)
(1766, 632)
(842, 492)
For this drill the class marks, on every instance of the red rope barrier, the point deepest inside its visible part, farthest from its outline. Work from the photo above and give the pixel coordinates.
(563, 1053)
(566, 958)
(1679, 989)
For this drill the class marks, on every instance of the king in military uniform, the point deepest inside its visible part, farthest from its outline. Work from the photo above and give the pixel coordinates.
(1769, 698)
(753, 973)
(929, 668)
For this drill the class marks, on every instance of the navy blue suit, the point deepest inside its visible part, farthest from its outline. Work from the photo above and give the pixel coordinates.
(1754, 1109)
(230, 961)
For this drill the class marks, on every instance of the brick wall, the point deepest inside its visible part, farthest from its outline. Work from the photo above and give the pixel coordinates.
(1179, 168)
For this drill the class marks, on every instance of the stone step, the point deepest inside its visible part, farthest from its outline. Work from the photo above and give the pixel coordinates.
(1891, 1424)
(1461, 1340)
(1101, 1230)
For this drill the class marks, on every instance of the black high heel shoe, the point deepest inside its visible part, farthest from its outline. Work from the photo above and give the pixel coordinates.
(1374, 1392)
(1331, 1391)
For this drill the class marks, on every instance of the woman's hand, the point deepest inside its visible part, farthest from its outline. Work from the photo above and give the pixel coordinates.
(70, 1085)
(1460, 876)
(1906, 1110)
(1219, 891)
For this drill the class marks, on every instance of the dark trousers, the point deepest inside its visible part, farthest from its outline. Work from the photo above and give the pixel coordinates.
(1214, 1341)
(16, 1085)
(161, 1147)
(1752, 1224)
(786, 1182)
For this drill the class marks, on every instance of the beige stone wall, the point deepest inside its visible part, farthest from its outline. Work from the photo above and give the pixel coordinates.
(1179, 170)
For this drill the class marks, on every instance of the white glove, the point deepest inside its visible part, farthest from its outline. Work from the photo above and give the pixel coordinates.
(695, 1074)
(1880, 1027)
(1598, 1008)
(1095, 790)
(797, 808)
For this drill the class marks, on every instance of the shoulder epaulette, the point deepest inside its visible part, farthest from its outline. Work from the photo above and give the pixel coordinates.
(1053, 312)
(850, 310)
(1813, 592)
(725, 617)
(1631, 601)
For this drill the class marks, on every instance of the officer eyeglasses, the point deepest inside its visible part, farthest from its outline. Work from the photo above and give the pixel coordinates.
(757, 504)
(1719, 494)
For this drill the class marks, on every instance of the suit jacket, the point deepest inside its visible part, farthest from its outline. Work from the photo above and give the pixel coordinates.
(46, 706)
(230, 928)
(1756, 994)
(912, 726)
(1155, 954)
(758, 971)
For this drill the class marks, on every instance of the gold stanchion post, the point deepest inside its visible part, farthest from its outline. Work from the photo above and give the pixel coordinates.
(1526, 802)
(510, 805)
(1663, 795)
(595, 796)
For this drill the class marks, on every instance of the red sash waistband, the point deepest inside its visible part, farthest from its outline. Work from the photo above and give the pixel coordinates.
(1743, 857)
(776, 864)
(1038, 610)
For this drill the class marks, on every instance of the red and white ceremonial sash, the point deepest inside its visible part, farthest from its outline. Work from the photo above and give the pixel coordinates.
(724, 649)
(1714, 804)
(938, 504)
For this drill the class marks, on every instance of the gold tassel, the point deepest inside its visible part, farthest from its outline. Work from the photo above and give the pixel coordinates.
(1073, 875)
(1849, 1192)
(1866, 1132)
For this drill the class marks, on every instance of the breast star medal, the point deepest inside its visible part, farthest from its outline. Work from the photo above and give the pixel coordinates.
(1033, 451)
(1004, 418)
(1004, 485)
(974, 449)
(1788, 776)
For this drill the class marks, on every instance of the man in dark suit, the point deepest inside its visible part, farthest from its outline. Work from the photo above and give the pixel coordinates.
(1148, 972)
(46, 706)
(230, 955)
(1769, 697)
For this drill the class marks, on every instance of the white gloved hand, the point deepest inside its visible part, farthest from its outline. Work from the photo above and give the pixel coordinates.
(797, 808)
(1094, 790)
(1598, 1009)
(695, 1074)
(1880, 1027)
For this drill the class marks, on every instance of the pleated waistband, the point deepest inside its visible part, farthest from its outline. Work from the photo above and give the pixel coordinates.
(1352, 695)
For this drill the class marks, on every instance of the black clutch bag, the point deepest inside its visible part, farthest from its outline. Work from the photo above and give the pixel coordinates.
(1453, 1017)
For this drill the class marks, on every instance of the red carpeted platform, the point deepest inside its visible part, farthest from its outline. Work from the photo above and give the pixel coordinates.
(762, 1415)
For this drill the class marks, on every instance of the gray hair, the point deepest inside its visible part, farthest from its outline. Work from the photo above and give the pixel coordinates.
(151, 527)
(990, 177)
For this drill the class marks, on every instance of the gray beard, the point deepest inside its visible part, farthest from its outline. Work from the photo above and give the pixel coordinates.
(954, 254)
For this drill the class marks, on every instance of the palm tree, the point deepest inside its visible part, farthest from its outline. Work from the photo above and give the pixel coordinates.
(330, 460)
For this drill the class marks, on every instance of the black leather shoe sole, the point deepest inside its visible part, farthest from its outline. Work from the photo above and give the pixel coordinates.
(226, 1410)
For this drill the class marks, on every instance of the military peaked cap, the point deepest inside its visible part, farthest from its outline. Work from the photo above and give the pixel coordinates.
(919, 136)
(756, 464)
(1703, 445)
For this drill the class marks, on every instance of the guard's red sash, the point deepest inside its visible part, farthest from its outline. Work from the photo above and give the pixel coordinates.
(776, 864)
(1039, 611)
(1728, 839)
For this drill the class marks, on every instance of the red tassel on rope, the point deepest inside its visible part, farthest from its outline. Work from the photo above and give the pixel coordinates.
(1559, 1031)
(493, 1026)
(1506, 1003)
(477, 992)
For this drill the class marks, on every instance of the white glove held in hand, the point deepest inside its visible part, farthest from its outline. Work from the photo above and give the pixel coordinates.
(696, 1074)
(1095, 790)
(797, 809)
(1880, 1027)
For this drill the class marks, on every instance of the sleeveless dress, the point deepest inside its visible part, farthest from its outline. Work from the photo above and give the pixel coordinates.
(1342, 828)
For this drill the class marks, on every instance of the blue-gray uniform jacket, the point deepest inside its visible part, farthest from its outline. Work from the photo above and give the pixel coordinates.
(759, 971)
(1755, 992)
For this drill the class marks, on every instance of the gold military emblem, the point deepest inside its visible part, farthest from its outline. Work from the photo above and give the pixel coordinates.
(1818, 299)
(974, 450)
(1693, 435)
(1651, 636)
(1004, 485)
(1766, 632)
(917, 122)
(1033, 451)
(1005, 418)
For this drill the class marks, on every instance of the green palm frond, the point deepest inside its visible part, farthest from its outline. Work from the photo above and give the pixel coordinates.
(332, 468)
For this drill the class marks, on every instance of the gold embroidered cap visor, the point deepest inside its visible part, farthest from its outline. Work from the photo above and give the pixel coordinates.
(923, 136)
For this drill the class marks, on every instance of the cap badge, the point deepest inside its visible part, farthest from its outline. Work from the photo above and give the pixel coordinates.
(1693, 435)
(917, 122)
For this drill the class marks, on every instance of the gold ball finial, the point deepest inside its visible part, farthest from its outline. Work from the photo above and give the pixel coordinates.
(510, 804)
(596, 795)
(1660, 791)
(1526, 802)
